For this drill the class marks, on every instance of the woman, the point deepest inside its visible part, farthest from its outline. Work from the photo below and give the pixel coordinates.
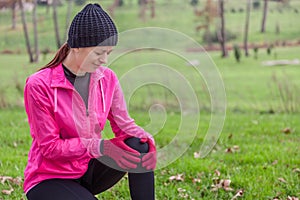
(67, 103)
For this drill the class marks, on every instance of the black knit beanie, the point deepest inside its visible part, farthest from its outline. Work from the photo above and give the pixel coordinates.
(91, 27)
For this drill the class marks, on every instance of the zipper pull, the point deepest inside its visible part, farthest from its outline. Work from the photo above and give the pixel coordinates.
(87, 112)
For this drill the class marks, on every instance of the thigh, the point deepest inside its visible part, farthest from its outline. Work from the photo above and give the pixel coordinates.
(59, 189)
(100, 177)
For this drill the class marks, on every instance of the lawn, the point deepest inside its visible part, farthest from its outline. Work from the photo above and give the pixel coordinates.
(257, 151)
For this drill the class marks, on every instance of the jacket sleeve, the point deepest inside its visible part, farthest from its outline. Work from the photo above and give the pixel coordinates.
(120, 121)
(45, 131)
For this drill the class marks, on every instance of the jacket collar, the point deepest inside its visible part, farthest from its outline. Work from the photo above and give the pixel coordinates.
(59, 79)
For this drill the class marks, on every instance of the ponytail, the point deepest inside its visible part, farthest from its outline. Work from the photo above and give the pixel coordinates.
(60, 55)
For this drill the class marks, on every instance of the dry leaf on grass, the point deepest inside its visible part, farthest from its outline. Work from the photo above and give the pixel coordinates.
(286, 130)
(197, 155)
(196, 180)
(282, 180)
(275, 162)
(224, 184)
(239, 193)
(7, 192)
(16, 181)
(233, 149)
(178, 177)
(297, 170)
(217, 172)
(292, 198)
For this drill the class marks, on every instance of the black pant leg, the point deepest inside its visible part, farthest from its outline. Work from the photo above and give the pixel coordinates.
(59, 189)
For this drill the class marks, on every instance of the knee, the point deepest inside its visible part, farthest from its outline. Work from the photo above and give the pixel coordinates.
(135, 143)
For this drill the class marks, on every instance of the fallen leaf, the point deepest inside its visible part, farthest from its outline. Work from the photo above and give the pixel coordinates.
(297, 170)
(16, 181)
(181, 190)
(196, 180)
(229, 150)
(197, 155)
(226, 183)
(282, 180)
(239, 193)
(217, 172)
(8, 192)
(15, 144)
(178, 177)
(236, 148)
(3, 179)
(275, 162)
(286, 130)
(292, 198)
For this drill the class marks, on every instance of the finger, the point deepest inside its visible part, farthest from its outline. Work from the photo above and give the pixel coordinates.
(128, 164)
(122, 166)
(147, 156)
(132, 158)
(150, 165)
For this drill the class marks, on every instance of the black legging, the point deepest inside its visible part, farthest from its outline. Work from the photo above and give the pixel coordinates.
(98, 178)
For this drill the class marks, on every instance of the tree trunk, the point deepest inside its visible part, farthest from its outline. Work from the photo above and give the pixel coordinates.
(265, 12)
(35, 32)
(222, 38)
(56, 28)
(25, 31)
(152, 8)
(68, 18)
(143, 9)
(247, 27)
(14, 14)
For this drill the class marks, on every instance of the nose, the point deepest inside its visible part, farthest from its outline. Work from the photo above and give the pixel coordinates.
(103, 58)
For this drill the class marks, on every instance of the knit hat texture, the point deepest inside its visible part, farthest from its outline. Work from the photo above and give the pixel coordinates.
(91, 27)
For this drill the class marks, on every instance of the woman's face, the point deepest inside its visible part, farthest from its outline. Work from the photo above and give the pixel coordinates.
(91, 58)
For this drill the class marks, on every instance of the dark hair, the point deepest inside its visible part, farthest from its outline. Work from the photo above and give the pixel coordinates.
(60, 55)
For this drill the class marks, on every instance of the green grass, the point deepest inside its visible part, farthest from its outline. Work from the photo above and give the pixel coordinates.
(265, 155)
(261, 102)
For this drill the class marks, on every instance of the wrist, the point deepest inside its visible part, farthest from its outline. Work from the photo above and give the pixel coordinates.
(101, 146)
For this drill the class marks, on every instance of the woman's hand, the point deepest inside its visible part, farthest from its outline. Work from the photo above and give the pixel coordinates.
(149, 159)
(126, 157)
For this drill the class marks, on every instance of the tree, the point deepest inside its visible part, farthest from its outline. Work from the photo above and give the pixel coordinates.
(246, 31)
(144, 6)
(207, 16)
(28, 46)
(68, 18)
(222, 35)
(35, 32)
(265, 12)
(14, 14)
(56, 28)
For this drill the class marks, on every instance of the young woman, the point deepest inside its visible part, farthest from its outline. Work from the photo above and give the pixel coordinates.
(67, 103)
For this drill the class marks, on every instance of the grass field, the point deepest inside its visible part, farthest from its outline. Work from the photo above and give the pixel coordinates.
(252, 151)
(258, 148)
(184, 20)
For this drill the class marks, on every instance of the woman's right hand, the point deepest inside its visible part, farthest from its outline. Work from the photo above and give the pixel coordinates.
(115, 148)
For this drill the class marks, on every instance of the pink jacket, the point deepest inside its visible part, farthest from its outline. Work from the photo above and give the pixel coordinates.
(65, 134)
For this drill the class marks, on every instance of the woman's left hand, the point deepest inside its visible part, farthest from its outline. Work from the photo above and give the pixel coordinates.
(149, 159)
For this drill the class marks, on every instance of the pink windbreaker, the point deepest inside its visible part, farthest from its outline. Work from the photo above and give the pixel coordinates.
(66, 135)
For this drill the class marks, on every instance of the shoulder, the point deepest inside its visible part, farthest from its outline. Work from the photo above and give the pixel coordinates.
(39, 78)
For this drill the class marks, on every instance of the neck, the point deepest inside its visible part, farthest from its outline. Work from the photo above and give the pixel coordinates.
(72, 66)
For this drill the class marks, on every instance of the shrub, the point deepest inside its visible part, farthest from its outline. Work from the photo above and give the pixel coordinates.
(237, 52)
